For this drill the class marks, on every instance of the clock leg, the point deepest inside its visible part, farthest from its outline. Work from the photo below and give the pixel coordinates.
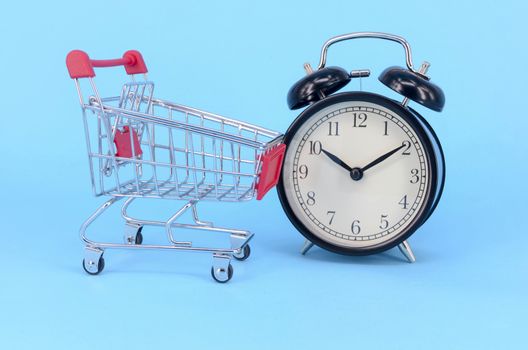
(306, 247)
(406, 250)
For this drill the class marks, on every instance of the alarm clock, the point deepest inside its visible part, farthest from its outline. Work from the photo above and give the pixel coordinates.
(362, 172)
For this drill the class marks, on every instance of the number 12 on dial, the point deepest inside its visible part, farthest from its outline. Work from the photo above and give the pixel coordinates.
(360, 173)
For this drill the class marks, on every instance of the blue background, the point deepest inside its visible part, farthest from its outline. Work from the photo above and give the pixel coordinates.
(468, 288)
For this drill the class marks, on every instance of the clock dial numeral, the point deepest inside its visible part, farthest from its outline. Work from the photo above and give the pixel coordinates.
(333, 128)
(315, 147)
(311, 198)
(319, 167)
(384, 223)
(407, 149)
(303, 171)
(414, 176)
(355, 228)
(360, 120)
(331, 213)
(403, 202)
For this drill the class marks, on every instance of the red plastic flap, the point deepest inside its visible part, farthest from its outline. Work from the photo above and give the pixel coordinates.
(123, 144)
(81, 66)
(271, 169)
(137, 65)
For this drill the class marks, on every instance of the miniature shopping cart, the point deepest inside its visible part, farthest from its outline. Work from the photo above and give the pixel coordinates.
(143, 147)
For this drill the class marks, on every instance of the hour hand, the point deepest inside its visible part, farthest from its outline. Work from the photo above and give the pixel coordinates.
(336, 160)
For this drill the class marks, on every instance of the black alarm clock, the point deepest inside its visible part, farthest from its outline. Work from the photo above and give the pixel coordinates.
(362, 172)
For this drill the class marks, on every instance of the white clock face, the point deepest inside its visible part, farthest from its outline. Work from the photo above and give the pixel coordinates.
(356, 174)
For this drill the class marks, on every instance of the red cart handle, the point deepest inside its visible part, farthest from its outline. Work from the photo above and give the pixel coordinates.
(81, 66)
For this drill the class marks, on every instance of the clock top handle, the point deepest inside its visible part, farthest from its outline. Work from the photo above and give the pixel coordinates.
(411, 83)
(375, 35)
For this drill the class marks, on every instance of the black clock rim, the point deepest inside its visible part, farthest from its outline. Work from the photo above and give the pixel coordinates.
(409, 117)
(441, 159)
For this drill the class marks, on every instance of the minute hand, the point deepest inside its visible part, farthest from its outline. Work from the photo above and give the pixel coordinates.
(382, 158)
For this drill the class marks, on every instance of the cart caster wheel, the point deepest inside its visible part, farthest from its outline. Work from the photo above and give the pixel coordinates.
(133, 234)
(244, 254)
(221, 276)
(139, 236)
(100, 266)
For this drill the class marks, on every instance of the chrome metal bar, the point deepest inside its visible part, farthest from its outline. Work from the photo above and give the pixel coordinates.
(89, 149)
(172, 158)
(215, 117)
(106, 123)
(187, 147)
(92, 218)
(235, 180)
(142, 117)
(168, 225)
(197, 220)
(191, 141)
(204, 226)
(375, 35)
(215, 163)
(79, 92)
(202, 145)
(134, 155)
(163, 164)
(150, 137)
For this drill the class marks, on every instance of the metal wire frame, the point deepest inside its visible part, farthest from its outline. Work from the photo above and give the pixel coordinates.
(205, 156)
(186, 154)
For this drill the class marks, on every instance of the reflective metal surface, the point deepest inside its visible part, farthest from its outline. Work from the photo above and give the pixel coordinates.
(406, 250)
(375, 35)
(185, 154)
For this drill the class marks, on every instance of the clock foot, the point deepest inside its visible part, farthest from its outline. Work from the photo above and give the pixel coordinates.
(306, 247)
(406, 250)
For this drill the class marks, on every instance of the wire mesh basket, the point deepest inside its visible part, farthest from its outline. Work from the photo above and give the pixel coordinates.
(143, 147)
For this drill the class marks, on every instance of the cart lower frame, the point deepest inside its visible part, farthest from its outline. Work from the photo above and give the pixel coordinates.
(221, 270)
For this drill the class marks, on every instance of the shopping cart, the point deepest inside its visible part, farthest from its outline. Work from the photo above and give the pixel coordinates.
(143, 147)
